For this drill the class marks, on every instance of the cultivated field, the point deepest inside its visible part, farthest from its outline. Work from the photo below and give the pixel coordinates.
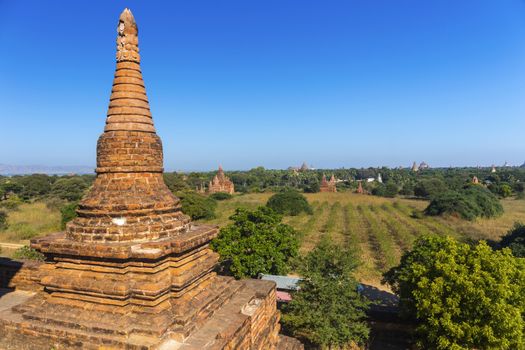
(376, 229)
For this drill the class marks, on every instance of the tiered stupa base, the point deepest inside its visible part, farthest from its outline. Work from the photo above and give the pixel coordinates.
(234, 315)
(159, 294)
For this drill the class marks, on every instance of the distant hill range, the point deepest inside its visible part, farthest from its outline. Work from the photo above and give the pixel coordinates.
(44, 169)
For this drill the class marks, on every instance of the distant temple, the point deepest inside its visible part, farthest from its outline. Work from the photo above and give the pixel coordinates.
(296, 170)
(423, 166)
(493, 170)
(200, 189)
(415, 168)
(328, 186)
(360, 188)
(221, 183)
(475, 180)
(304, 167)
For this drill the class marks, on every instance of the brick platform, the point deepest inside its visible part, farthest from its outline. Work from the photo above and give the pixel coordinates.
(132, 271)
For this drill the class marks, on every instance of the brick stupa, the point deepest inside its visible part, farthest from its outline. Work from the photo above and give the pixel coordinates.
(131, 271)
(328, 186)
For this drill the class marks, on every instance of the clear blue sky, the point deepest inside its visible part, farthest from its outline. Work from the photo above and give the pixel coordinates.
(273, 82)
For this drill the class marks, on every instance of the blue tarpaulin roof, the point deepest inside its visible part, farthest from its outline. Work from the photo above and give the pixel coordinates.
(283, 282)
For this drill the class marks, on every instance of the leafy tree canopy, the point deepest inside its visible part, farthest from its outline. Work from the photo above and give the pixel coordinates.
(327, 310)
(197, 206)
(256, 242)
(515, 240)
(69, 188)
(68, 213)
(461, 296)
(469, 203)
(431, 187)
(3, 220)
(289, 203)
(221, 196)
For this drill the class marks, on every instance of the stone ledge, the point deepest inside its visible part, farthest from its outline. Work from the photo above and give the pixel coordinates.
(156, 249)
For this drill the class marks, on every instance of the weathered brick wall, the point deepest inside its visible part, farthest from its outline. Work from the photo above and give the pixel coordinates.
(24, 275)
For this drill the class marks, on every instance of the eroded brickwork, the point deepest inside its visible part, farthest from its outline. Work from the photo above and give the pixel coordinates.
(131, 271)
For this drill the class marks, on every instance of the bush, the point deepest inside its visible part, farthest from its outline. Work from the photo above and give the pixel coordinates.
(468, 204)
(379, 190)
(68, 212)
(515, 240)
(391, 189)
(289, 203)
(221, 196)
(11, 203)
(23, 230)
(54, 203)
(3, 220)
(256, 242)
(197, 206)
(327, 309)
(503, 190)
(28, 253)
(429, 188)
(69, 188)
(461, 296)
(417, 214)
(407, 189)
(175, 182)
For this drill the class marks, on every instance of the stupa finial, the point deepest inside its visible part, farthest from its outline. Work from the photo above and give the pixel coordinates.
(127, 38)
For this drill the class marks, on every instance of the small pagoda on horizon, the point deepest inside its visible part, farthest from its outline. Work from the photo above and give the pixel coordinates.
(360, 189)
(328, 186)
(221, 183)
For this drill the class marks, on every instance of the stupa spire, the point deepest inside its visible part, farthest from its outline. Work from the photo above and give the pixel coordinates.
(128, 105)
(129, 169)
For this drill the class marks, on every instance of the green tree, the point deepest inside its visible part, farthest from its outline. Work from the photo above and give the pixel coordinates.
(289, 203)
(429, 188)
(221, 196)
(256, 242)
(379, 190)
(407, 189)
(327, 309)
(515, 240)
(69, 188)
(469, 203)
(391, 189)
(3, 220)
(175, 182)
(68, 213)
(197, 206)
(10, 187)
(505, 190)
(35, 185)
(461, 296)
(11, 203)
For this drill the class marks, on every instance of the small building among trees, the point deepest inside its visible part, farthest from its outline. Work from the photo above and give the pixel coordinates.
(328, 186)
(221, 183)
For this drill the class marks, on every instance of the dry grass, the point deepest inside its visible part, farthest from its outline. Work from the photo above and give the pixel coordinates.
(30, 220)
(375, 229)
